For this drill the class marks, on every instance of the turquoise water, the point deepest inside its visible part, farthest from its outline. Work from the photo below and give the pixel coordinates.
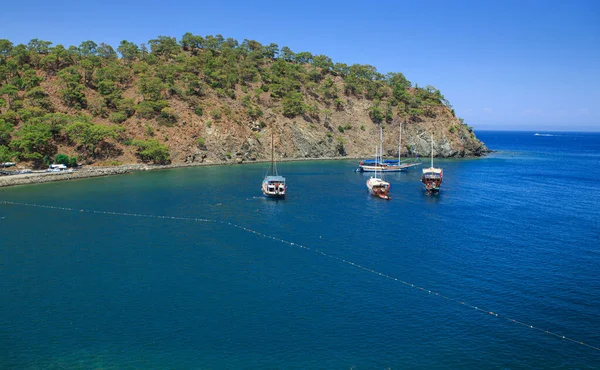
(516, 233)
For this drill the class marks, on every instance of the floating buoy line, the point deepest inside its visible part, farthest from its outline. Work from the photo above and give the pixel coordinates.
(317, 251)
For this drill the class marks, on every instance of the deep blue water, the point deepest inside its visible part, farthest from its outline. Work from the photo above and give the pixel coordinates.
(516, 233)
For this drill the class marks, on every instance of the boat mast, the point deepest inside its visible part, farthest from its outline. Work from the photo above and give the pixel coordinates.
(273, 170)
(380, 144)
(431, 151)
(399, 143)
(376, 161)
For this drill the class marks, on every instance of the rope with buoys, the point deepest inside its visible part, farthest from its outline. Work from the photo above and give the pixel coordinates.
(317, 251)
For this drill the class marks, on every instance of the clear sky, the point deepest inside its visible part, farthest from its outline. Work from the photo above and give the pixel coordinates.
(502, 64)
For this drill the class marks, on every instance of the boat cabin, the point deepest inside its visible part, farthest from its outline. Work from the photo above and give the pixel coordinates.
(432, 178)
(274, 185)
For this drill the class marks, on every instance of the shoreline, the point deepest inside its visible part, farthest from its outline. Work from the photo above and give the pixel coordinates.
(101, 171)
(93, 171)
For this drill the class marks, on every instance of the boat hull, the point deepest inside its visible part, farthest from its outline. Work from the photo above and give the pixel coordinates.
(401, 168)
(271, 189)
(275, 196)
(432, 185)
(432, 179)
(379, 188)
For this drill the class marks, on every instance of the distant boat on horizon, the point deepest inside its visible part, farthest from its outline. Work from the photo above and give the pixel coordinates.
(273, 185)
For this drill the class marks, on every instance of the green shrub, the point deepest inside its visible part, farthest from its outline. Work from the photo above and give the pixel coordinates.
(254, 111)
(61, 159)
(167, 116)
(117, 117)
(199, 111)
(376, 114)
(149, 109)
(126, 106)
(10, 117)
(27, 114)
(216, 114)
(152, 150)
(293, 104)
(6, 155)
(66, 160)
(6, 130)
(89, 136)
(149, 130)
(340, 129)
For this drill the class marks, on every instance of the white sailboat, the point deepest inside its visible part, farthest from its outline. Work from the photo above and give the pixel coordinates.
(273, 185)
(377, 186)
(388, 165)
(432, 176)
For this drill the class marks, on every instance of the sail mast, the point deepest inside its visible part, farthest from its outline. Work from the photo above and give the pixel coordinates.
(399, 143)
(432, 151)
(272, 164)
(380, 144)
(376, 160)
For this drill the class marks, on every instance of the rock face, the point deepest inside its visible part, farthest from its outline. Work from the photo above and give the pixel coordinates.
(345, 134)
(196, 157)
(352, 134)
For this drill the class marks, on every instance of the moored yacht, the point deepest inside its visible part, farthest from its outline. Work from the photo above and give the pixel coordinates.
(377, 186)
(432, 176)
(273, 185)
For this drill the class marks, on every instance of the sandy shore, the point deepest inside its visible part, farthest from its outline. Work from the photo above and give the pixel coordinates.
(91, 171)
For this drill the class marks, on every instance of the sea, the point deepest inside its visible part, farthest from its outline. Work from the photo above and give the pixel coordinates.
(191, 268)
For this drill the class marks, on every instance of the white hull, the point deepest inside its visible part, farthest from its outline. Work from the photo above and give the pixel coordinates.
(391, 168)
(273, 190)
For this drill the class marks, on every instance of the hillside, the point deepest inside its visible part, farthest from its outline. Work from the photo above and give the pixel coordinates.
(209, 99)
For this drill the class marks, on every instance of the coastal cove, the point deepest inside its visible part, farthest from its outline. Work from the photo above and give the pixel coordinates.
(100, 171)
(192, 267)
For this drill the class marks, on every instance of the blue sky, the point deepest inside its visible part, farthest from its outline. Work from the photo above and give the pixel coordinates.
(524, 65)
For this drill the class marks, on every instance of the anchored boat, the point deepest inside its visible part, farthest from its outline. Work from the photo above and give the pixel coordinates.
(377, 186)
(273, 185)
(388, 165)
(432, 176)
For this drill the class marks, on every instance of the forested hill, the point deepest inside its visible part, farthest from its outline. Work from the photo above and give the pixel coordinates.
(209, 99)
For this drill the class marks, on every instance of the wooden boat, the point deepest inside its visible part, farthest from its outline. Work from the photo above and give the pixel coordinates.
(432, 176)
(273, 185)
(377, 186)
(388, 165)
